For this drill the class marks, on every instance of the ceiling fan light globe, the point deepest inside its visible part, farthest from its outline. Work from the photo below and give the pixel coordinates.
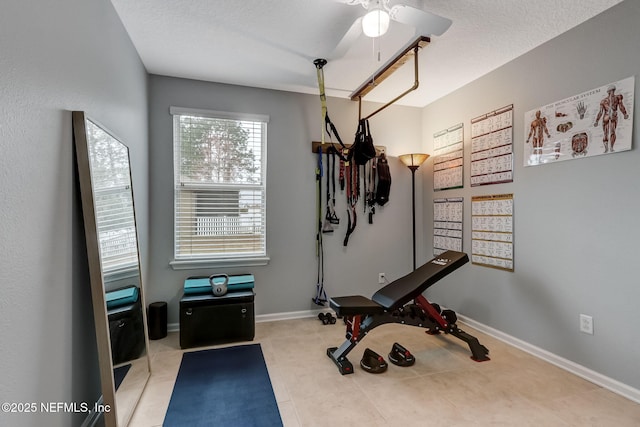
(375, 23)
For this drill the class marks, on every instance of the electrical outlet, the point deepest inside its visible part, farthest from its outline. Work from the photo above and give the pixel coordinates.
(382, 278)
(586, 324)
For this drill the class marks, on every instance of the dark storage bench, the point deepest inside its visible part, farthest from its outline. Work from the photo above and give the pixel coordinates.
(207, 319)
(127, 332)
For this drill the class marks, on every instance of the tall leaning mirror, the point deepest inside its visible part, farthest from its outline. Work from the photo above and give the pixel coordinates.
(114, 267)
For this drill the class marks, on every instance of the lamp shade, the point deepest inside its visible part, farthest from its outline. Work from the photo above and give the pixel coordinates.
(413, 160)
(375, 23)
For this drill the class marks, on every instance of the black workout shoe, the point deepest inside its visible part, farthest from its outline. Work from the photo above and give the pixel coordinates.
(400, 356)
(372, 362)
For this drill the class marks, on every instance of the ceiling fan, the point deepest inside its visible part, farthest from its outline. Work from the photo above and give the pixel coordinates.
(375, 22)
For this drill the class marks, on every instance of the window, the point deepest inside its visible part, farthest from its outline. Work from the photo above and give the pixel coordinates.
(220, 188)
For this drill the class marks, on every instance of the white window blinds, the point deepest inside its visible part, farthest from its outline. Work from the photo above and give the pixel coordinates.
(111, 182)
(220, 185)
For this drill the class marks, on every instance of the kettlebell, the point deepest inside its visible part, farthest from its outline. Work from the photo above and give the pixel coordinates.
(219, 289)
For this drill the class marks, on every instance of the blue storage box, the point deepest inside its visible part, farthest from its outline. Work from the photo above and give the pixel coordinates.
(122, 296)
(200, 285)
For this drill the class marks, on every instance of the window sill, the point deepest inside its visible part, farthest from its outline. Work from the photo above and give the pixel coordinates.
(194, 264)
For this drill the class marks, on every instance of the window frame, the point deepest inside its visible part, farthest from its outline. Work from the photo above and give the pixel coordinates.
(223, 260)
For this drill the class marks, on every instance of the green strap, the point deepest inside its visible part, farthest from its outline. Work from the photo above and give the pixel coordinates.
(327, 124)
(323, 97)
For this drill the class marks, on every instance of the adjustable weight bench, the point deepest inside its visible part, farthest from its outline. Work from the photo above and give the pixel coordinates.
(401, 301)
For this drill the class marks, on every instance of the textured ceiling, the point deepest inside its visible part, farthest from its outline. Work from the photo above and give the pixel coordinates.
(272, 43)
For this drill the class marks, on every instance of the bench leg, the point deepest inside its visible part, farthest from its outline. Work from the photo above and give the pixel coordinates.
(338, 355)
(478, 351)
(358, 327)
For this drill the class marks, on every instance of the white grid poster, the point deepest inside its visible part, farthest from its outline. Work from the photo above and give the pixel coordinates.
(492, 231)
(448, 161)
(599, 121)
(447, 225)
(492, 147)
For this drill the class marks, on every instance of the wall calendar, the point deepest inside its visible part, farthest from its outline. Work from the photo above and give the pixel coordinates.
(492, 231)
(492, 147)
(448, 161)
(447, 225)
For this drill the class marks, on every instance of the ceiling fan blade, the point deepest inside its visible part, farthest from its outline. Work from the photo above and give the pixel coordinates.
(350, 2)
(425, 23)
(348, 39)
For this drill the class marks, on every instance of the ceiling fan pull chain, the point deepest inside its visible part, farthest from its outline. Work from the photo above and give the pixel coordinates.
(376, 55)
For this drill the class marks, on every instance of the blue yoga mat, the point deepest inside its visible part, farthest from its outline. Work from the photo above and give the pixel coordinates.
(223, 387)
(119, 374)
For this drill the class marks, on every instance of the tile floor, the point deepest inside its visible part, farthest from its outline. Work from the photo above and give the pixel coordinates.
(444, 387)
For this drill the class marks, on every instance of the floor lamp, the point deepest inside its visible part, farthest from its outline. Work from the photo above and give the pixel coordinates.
(413, 162)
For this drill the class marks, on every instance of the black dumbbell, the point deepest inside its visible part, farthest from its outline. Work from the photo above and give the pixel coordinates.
(326, 318)
(323, 318)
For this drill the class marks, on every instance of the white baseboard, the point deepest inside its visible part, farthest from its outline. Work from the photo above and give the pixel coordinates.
(576, 369)
(287, 316)
(175, 327)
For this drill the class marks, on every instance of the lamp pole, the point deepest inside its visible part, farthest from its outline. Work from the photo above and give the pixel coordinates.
(413, 162)
(413, 210)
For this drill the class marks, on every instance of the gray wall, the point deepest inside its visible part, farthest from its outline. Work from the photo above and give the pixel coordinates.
(287, 283)
(57, 57)
(576, 222)
(574, 250)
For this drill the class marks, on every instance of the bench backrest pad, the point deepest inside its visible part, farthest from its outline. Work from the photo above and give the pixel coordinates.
(401, 291)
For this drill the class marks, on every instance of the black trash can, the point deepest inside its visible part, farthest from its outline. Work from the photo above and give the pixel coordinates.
(157, 318)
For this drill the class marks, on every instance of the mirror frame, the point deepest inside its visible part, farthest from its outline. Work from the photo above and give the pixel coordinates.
(96, 275)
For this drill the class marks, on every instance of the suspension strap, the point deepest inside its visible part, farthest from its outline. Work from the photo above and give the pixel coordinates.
(321, 296)
(371, 194)
(331, 216)
(353, 191)
(319, 207)
(342, 170)
(352, 221)
(328, 125)
(327, 216)
(365, 183)
(319, 63)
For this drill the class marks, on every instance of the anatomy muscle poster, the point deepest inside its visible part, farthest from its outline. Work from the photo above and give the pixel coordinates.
(492, 231)
(448, 160)
(595, 122)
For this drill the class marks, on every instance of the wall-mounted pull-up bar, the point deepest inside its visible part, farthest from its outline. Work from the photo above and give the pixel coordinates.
(386, 71)
(380, 149)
